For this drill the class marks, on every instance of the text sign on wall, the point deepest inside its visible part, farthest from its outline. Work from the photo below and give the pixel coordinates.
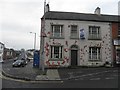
(82, 34)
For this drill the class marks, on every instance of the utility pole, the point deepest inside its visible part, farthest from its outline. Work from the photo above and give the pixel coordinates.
(43, 37)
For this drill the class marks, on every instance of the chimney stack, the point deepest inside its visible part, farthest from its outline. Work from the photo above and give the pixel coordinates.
(47, 8)
(97, 11)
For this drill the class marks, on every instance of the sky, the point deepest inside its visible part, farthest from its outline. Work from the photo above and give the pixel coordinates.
(20, 17)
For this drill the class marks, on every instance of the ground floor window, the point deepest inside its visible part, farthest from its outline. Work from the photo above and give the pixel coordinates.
(94, 53)
(56, 52)
(118, 56)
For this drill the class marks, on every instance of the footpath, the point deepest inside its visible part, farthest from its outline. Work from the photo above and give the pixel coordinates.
(29, 73)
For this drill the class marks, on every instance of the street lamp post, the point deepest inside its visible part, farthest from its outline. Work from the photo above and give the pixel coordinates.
(34, 40)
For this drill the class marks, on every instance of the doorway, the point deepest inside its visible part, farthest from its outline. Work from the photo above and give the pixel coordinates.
(74, 55)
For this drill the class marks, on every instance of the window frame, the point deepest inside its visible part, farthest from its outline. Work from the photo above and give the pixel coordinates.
(52, 52)
(92, 56)
(72, 28)
(61, 31)
(94, 33)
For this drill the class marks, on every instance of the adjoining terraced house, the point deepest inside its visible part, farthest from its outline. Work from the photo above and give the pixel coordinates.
(76, 39)
(2, 46)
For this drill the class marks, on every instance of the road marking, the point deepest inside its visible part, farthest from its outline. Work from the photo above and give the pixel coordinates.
(95, 79)
(85, 75)
(110, 78)
(79, 79)
(115, 71)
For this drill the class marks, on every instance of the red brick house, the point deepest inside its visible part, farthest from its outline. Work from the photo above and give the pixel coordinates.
(116, 40)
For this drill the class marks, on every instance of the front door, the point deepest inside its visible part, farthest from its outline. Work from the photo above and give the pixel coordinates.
(74, 56)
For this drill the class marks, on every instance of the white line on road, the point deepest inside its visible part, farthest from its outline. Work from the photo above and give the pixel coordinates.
(109, 78)
(95, 79)
(115, 71)
(91, 74)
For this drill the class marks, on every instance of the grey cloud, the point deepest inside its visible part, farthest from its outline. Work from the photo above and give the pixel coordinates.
(19, 17)
(17, 27)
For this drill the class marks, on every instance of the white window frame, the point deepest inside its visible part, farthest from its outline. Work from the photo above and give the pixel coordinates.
(61, 31)
(75, 35)
(98, 54)
(96, 35)
(60, 56)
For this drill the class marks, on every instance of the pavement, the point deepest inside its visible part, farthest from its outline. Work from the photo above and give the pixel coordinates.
(30, 73)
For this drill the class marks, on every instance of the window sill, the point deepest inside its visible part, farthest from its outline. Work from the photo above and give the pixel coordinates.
(54, 59)
(95, 60)
(57, 38)
(94, 39)
(74, 37)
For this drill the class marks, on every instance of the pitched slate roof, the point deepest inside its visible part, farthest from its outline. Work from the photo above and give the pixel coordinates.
(55, 15)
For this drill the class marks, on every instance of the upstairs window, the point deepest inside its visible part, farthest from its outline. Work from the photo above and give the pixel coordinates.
(57, 31)
(74, 31)
(94, 33)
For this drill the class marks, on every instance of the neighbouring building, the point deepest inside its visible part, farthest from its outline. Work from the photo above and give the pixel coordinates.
(9, 54)
(76, 39)
(2, 46)
(116, 41)
(116, 38)
(30, 52)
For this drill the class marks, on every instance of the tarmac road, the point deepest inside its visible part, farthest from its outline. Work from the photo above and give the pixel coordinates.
(103, 80)
(71, 78)
(65, 84)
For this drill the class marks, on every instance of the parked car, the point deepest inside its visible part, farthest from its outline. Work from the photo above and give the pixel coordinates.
(19, 63)
(28, 58)
(118, 63)
(1, 61)
(25, 61)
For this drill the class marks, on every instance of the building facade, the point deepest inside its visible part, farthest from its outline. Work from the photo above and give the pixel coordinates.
(9, 54)
(116, 42)
(1, 51)
(76, 39)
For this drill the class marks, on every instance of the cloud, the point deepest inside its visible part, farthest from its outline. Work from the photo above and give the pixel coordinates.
(19, 17)
(19, 39)
(84, 6)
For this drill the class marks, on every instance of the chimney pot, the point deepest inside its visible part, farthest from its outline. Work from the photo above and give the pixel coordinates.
(47, 8)
(97, 11)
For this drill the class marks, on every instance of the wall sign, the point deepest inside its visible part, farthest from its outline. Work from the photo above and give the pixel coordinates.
(82, 34)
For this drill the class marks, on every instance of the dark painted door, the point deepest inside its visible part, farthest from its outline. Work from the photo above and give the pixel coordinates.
(73, 57)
